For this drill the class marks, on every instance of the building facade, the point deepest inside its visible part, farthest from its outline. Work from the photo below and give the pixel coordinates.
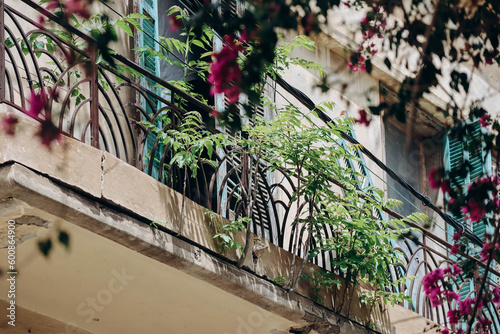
(109, 187)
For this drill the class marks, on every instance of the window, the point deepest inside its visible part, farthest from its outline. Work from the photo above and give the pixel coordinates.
(462, 149)
(150, 104)
(459, 152)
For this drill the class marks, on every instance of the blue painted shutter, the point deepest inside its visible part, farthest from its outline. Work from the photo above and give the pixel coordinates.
(455, 153)
(147, 39)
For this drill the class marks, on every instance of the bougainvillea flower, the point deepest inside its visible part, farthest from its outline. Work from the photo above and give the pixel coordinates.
(464, 306)
(454, 249)
(9, 124)
(457, 236)
(38, 102)
(453, 316)
(225, 73)
(214, 113)
(456, 269)
(175, 21)
(485, 120)
(451, 295)
(79, 7)
(445, 186)
(431, 287)
(358, 67)
(488, 247)
(364, 118)
(52, 4)
(483, 324)
(436, 178)
(475, 210)
(496, 296)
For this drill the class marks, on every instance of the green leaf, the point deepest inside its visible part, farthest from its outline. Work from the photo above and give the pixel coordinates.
(137, 16)
(125, 27)
(198, 43)
(136, 24)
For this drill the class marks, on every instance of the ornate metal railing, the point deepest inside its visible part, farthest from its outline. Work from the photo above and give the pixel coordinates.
(103, 106)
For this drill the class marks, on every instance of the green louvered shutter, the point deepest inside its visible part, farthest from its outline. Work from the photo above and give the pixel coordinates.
(454, 156)
(453, 159)
(147, 39)
(149, 36)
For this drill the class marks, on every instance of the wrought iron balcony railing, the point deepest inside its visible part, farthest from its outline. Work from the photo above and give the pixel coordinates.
(102, 106)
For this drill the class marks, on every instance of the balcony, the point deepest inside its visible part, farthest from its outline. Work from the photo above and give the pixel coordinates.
(116, 178)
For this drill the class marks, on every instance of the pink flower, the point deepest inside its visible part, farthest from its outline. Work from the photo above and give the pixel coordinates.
(431, 288)
(484, 324)
(435, 178)
(174, 21)
(52, 4)
(475, 209)
(9, 124)
(488, 247)
(454, 249)
(496, 296)
(37, 102)
(453, 316)
(79, 7)
(364, 118)
(456, 269)
(485, 120)
(452, 295)
(225, 73)
(214, 113)
(364, 21)
(445, 331)
(464, 306)
(445, 186)
(48, 132)
(457, 235)
(361, 67)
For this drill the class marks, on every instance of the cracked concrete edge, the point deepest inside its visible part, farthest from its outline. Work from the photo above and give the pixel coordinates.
(37, 190)
(63, 162)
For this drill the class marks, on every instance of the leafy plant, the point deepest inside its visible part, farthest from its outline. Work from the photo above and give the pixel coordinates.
(226, 232)
(281, 280)
(187, 145)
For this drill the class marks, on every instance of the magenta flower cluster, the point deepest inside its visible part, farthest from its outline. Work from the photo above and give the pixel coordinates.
(225, 73)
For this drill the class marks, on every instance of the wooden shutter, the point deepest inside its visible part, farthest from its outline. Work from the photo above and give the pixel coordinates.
(147, 39)
(455, 154)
